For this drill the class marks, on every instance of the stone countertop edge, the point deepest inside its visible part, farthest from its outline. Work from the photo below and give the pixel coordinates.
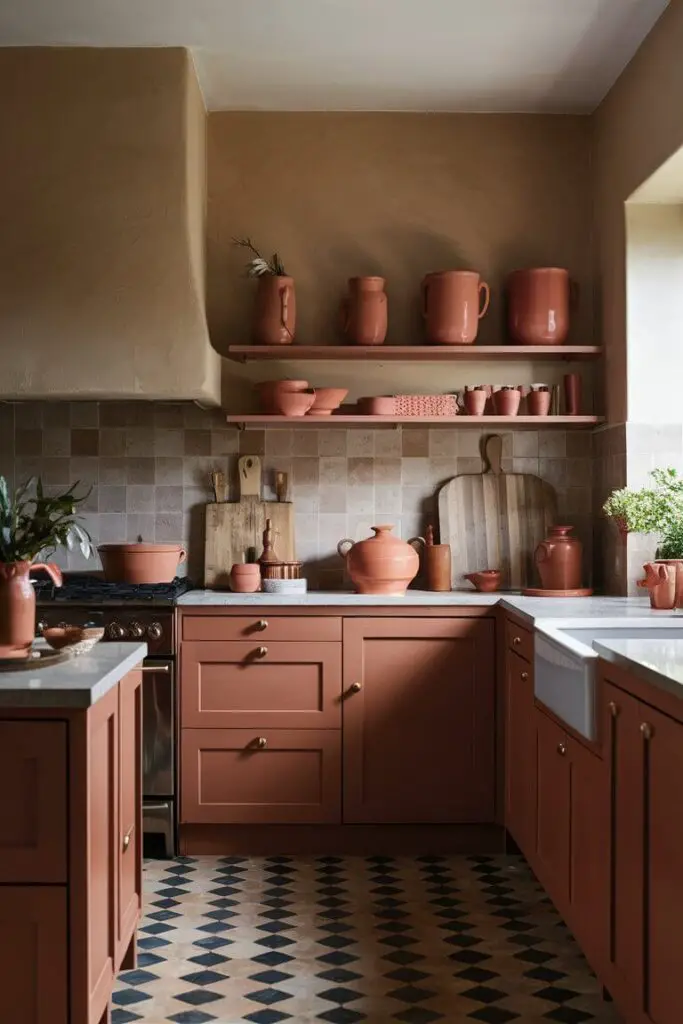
(78, 682)
(659, 662)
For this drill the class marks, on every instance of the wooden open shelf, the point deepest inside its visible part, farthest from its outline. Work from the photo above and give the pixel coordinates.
(261, 420)
(411, 353)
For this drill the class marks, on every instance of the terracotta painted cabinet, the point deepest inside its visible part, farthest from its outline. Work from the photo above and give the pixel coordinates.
(34, 965)
(419, 720)
(520, 754)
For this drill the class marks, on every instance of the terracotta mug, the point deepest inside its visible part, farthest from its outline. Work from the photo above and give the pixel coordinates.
(506, 402)
(538, 305)
(660, 581)
(475, 402)
(274, 310)
(364, 311)
(538, 403)
(451, 301)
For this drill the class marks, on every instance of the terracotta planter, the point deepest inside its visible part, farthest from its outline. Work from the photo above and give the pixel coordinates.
(274, 310)
(451, 306)
(475, 402)
(245, 578)
(558, 559)
(538, 403)
(364, 311)
(140, 563)
(660, 581)
(18, 606)
(538, 306)
(572, 394)
(506, 402)
(382, 564)
(676, 563)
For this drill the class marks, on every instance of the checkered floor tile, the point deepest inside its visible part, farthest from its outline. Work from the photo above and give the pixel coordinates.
(345, 939)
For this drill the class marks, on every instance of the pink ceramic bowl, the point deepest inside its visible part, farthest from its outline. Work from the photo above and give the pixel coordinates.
(326, 400)
(294, 403)
(268, 391)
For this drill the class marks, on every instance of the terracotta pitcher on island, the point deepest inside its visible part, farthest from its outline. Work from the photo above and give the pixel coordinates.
(364, 311)
(452, 306)
(18, 606)
(538, 304)
(274, 310)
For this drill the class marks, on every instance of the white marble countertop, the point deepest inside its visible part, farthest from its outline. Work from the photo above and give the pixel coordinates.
(659, 662)
(75, 683)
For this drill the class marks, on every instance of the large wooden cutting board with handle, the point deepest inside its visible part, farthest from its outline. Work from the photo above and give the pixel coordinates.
(495, 520)
(234, 529)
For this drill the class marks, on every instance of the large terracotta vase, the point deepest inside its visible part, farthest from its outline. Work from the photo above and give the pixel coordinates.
(451, 306)
(274, 310)
(538, 306)
(18, 606)
(382, 564)
(364, 311)
(558, 559)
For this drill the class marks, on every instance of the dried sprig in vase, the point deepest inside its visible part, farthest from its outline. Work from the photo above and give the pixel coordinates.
(275, 302)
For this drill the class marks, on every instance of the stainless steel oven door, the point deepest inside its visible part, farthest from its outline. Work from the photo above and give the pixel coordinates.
(158, 728)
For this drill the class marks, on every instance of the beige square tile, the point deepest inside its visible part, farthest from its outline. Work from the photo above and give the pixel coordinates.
(552, 444)
(360, 472)
(360, 443)
(415, 471)
(84, 469)
(387, 471)
(442, 470)
(443, 442)
(332, 442)
(85, 441)
(140, 498)
(113, 414)
(168, 499)
(305, 470)
(111, 498)
(195, 418)
(113, 442)
(306, 535)
(57, 442)
(332, 527)
(525, 465)
(169, 414)
(388, 442)
(111, 528)
(360, 499)
(140, 470)
(333, 498)
(169, 528)
(55, 472)
(252, 442)
(28, 442)
(554, 471)
(469, 443)
(412, 499)
(169, 443)
(197, 442)
(140, 525)
(224, 442)
(279, 442)
(388, 499)
(304, 442)
(525, 444)
(28, 415)
(415, 442)
(56, 415)
(167, 470)
(197, 471)
(332, 471)
(579, 444)
(112, 471)
(84, 414)
(140, 414)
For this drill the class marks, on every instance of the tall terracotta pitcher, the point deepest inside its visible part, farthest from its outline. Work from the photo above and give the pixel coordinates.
(274, 310)
(538, 306)
(18, 606)
(364, 311)
(558, 559)
(451, 303)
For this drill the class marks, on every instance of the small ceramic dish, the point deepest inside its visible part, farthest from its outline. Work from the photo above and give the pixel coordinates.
(269, 389)
(284, 586)
(326, 400)
(485, 580)
(73, 639)
(293, 403)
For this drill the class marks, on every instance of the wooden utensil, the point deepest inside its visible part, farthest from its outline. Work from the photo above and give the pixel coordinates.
(234, 529)
(219, 484)
(495, 520)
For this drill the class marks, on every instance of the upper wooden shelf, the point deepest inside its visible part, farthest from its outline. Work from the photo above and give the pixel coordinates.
(411, 353)
(534, 422)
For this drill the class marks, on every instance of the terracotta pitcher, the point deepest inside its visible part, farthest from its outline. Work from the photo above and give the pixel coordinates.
(538, 306)
(451, 306)
(677, 564)
(274, 310)
(18, 606)
(382, 564)
(558, 559)
(660, 581)
(364, 311)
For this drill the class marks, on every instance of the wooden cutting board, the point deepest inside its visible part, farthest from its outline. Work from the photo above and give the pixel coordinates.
(234, 529)
(495, 520)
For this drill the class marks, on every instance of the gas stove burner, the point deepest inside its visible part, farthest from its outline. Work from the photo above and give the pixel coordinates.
(86, 589)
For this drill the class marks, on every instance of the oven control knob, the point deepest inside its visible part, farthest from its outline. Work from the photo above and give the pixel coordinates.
(116, 631)
(40, 627)
(136, 630)
(154, 631)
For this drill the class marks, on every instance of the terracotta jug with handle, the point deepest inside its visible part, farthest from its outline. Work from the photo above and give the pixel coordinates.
(382, 564)
(451, 301)
(274, 310)
(558, 559)
(538, 304)
(364, 311)
(18, 606)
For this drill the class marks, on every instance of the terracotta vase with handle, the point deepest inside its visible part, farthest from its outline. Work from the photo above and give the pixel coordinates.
(558, 559)
(364, 311)
(538, 304)
(660, 581)
(18, 606)
(382, 564)
(677, 564)
(274, 310)
(452, 306)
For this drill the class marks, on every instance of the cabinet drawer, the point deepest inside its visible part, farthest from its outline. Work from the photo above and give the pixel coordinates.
(259, 686)
(261, 628)
(519, 640)
(273, 776)
(33, 801)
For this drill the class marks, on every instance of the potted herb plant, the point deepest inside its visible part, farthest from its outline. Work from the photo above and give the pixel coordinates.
(31, 523)
(275, 303)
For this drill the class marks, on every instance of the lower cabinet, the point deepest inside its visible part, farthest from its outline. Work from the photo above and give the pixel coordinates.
(520, 754)
(34, 969)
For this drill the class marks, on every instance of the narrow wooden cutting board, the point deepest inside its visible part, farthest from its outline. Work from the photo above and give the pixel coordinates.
(495, 520)
(234, 529)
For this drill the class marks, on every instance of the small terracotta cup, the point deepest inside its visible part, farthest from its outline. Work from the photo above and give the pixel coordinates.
(245, 578)
(506, 402)
(538, 403)
(475, 402)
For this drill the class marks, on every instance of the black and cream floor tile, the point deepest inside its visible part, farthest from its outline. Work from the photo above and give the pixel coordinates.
(346, 939)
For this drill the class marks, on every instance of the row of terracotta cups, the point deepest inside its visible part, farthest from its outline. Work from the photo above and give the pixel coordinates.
(505, 400)
(453, 302)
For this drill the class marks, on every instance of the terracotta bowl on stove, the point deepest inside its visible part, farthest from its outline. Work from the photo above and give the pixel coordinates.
(140, 563)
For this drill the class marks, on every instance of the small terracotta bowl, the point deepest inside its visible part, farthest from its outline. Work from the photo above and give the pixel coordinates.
(326, 400)
(269, 389)
(74, 639)
(485, 580)
(294, 403)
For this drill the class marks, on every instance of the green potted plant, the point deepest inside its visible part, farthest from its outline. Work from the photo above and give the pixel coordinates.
(31, 523)
(275, 303)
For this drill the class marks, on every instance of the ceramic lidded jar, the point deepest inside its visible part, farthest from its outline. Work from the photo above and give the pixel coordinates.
(451, 301)
(538, 302)
(382, 564)
(274, 310)
(558, 559)
(364, 311)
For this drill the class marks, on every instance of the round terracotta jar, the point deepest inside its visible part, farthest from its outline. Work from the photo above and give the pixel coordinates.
(452, 306)
(364, 311)
(559, 559)
(382, 564)
(538, 303)
(245, 578)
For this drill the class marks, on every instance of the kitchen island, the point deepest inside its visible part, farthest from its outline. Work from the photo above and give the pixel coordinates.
(70, 843)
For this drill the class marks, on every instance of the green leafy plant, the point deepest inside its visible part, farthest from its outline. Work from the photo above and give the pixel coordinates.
(31, 521)
(655, 509)
(672, 543)
(259, 266)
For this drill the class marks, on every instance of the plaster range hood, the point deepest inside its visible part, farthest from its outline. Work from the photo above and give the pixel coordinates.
(102, 248)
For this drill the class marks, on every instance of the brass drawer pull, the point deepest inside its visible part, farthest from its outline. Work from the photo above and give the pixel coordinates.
(127, 838)
(261, 652)
(646, 730)
(613, 709)
(262, 742)
(562, 749)
(525, 676)
(516, 641)
(262, 624)
(355, 687)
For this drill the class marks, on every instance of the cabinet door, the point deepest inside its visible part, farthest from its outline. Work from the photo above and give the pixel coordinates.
(419, 720)
(33, 801)
(662, 739)
(520, 754)
(276, 776)
(129, 860)
(260, 685)
(553, 824)
(33, 964)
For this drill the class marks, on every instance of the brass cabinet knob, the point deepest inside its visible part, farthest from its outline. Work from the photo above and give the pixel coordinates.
(262, 624)
(516, 640)
(613, 709)
(127, 838)
(355, 687)
(562, 749)
(524, 676)
(646, 730)
(262, 742)
(261, 652)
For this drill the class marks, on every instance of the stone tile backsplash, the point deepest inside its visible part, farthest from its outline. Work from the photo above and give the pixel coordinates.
(149, 466)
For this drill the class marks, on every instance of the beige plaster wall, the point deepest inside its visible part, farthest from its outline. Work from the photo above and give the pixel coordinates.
(101, 250)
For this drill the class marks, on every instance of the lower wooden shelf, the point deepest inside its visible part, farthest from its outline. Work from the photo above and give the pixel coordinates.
(261, 420)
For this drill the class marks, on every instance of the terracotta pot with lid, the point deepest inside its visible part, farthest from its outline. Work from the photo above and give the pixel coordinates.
(140, 563)
(558, 559)
(18, 606)
(382, 564)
